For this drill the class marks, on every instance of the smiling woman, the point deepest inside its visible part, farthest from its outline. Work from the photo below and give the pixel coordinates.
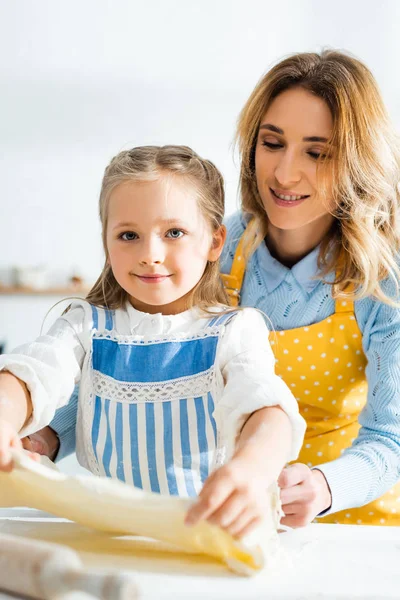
(316, 248)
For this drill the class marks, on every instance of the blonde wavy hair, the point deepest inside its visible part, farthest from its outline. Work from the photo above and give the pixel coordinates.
(149, 163)
(363, 162)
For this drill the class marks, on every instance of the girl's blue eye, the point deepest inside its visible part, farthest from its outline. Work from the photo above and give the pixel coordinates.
(128, 236)
(175, 234)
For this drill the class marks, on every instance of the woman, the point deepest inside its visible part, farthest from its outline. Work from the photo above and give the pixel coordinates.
(319, 222)
(315, 248)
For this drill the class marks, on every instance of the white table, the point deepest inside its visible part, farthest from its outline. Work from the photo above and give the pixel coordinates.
(322, 562)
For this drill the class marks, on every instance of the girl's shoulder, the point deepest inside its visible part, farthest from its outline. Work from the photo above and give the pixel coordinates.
(87, 317)
(246, 323)
(246, 334)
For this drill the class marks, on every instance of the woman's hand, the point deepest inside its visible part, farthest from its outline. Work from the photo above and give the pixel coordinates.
(44, 442)
(304, 494)
(234, 497)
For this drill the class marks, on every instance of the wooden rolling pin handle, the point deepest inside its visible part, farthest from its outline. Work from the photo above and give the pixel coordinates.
(47, 571)
(105, 586)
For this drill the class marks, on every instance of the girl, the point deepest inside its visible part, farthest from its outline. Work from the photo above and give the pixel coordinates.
(319, 230)
(173, 385)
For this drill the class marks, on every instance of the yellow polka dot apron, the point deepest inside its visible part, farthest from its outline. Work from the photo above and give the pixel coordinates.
(324, 366)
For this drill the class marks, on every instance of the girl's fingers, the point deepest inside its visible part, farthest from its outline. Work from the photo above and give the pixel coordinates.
(249, 526)
(230, 510)
(30, 448)
(34, 456)
(214, 493)
(7, 442)
(5, 460)
(16, 443)
(241, 521)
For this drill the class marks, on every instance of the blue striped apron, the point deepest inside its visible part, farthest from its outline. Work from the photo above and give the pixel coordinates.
(150, 414)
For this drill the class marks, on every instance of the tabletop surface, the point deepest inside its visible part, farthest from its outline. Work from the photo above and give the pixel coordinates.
(319, 562)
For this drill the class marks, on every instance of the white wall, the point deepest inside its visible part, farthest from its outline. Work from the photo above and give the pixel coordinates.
(83, 79)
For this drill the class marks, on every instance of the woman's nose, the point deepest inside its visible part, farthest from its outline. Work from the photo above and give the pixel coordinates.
(287, 171)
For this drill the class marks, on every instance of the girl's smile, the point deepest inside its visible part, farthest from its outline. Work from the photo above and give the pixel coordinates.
(153, 278)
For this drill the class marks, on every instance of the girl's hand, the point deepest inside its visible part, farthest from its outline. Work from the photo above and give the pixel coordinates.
(8, 439)
(304, 494)
(234, 497)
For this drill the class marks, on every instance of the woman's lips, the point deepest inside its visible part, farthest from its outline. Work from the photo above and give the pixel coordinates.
(284, 201)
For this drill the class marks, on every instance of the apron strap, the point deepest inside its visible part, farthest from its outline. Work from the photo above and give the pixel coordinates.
(234, 280)
(108, 317)
(345, 305)
(223, 319)
(342, 305)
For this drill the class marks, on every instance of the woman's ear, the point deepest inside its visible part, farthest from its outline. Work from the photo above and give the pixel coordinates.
(219, 237)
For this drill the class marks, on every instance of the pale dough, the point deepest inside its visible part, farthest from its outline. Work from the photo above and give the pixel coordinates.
(116, 508)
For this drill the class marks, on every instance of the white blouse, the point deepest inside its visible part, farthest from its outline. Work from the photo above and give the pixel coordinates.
(244, 364)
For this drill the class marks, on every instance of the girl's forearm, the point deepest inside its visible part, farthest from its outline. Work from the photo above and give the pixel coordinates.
(265, 441)
(15, 400)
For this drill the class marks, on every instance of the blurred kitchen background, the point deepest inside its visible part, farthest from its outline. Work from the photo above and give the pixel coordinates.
(82, 80)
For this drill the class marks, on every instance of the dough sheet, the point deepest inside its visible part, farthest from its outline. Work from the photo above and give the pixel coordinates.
(117, 509)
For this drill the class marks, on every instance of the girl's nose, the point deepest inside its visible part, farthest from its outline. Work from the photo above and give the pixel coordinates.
(150, 261)
(152, 253)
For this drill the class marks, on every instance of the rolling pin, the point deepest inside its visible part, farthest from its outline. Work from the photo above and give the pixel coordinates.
(48, 571)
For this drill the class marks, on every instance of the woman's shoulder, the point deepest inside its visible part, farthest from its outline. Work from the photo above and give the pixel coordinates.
(235, 225)
(373, 313)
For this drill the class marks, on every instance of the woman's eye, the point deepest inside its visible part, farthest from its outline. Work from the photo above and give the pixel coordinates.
(316, 155)
(272, 146)
(175, 234)
(128, 236)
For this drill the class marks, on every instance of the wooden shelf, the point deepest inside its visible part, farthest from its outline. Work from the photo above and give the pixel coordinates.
(56, 291)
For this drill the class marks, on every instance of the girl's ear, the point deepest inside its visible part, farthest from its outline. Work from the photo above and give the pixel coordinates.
(219, 237)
